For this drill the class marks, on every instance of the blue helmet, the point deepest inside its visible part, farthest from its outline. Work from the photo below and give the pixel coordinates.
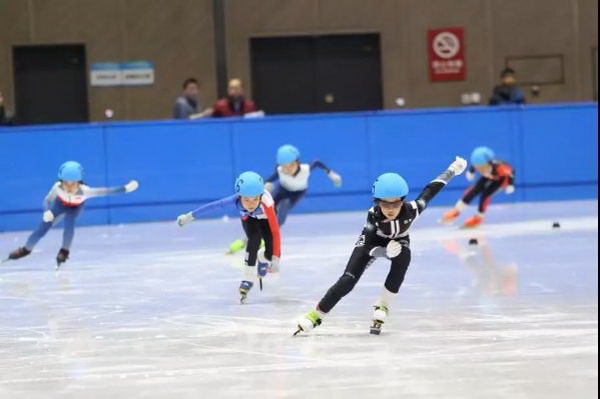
(287, 154)
(390, 185)
(71, 171)
(482, 156)
(249, 184)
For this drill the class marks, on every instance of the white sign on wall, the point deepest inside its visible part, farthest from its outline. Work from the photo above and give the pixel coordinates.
(105, 74)
(112, 74)
(139, 73)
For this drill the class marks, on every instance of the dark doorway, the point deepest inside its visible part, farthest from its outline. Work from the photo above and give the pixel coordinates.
(330, 73)
(50, 84)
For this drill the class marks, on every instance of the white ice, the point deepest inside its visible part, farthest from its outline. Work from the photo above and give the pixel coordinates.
(152, 311)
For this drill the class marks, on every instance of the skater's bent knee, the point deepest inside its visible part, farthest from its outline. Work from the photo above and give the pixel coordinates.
(346, 283)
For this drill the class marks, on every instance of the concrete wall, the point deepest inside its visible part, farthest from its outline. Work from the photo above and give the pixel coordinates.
(178, 36)
(495, 29)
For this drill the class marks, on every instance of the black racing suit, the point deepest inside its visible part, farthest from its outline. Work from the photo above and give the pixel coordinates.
(372, 243)
(502, 175)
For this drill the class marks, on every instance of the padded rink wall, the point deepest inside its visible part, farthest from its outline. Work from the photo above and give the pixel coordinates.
(182, 164)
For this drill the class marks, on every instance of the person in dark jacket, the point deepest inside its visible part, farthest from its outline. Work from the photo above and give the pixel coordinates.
(507, 92)
(5, 118)
(187, 105)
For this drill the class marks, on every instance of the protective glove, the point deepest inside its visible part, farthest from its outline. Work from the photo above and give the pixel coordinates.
(510, 189)
(48, 216)
(393, 249)
(131, 186)
(335, 178)
(185, 219)
(458, 166)
(274, 264)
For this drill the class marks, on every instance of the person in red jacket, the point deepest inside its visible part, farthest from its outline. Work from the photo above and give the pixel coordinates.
(496, 176)
(235, 104)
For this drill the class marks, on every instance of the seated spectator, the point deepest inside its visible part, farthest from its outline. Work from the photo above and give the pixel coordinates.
(235, 104)
(507, 91)
(187, 105)
(5, 118)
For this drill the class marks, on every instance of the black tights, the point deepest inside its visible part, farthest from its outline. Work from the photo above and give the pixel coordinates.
(257, 230)
(357, 264)
(485, 187)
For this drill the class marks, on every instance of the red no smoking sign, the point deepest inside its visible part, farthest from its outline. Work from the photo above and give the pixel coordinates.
(446, 54)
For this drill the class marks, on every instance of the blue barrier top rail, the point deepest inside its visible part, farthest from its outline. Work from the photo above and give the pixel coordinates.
(291, 117)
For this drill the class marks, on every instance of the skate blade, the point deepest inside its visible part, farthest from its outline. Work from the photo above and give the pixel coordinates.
(260, 283)
(60, 264)
(376, 328)
(5, 260)
(298, 331)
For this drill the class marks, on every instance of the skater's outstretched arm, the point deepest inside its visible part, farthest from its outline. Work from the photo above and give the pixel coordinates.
(334, 177)
(436, 185)
(318, 164)
(212, 206)
(91, 192)
(206, 208)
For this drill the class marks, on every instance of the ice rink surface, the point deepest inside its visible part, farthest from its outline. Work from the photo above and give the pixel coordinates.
(152, 311)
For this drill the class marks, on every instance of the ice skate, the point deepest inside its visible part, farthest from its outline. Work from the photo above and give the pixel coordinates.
(240, 245)
(17, 254)
(261, 268)
(449, 217)
(308, 322)
(62, 257)
(473, 222)
(236, 246)
(379, 316)
(245, 287)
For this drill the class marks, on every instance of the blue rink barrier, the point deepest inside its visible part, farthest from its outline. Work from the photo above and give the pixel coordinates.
(182, 164)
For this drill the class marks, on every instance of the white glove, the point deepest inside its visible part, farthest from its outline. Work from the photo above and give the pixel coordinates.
(470, 176)
(185, 219)
(274, 265)
(509, 189)
(269, 186)
(393, 249)
(335, 178)
(458, 166)
(48, 216)
(131, 186)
